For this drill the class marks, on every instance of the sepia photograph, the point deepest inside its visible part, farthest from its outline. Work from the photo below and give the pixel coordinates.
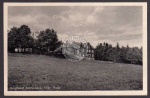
(57, 49)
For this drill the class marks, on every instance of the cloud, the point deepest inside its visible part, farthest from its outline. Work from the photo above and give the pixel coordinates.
(96, 24)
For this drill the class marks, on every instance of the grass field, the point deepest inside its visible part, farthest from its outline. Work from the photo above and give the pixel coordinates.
(40, 72)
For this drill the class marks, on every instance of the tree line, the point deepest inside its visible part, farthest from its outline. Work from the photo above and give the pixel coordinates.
(47, 41)
(105, 52)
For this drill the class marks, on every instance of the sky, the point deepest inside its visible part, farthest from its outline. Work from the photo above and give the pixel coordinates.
(96, 24)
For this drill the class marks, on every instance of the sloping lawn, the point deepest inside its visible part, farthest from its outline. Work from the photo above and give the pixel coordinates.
(40, 72)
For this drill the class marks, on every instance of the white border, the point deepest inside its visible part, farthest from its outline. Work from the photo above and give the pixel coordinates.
(76, 93)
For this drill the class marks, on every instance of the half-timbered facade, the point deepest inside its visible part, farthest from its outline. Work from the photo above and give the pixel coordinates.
(90, 52)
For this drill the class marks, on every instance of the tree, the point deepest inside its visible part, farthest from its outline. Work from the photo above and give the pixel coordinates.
(102, 51)
(118, 47)
(98, 52)
(47, 40)
(11, 38)
(127, 46)
(123, 55)
(19, 38)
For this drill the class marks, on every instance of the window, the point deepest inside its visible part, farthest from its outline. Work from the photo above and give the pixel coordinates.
(92, 51)
(93, 55)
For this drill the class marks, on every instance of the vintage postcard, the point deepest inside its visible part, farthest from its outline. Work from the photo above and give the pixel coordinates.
(75, 49)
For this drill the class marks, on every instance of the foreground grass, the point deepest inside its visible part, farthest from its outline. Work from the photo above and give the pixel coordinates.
(39, 72)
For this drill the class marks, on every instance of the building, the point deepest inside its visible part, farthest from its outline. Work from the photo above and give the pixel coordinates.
(90, 52)
(23, 50)
(76, 49)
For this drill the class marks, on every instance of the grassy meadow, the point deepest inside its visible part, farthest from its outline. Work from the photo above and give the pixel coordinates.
(40, 72)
